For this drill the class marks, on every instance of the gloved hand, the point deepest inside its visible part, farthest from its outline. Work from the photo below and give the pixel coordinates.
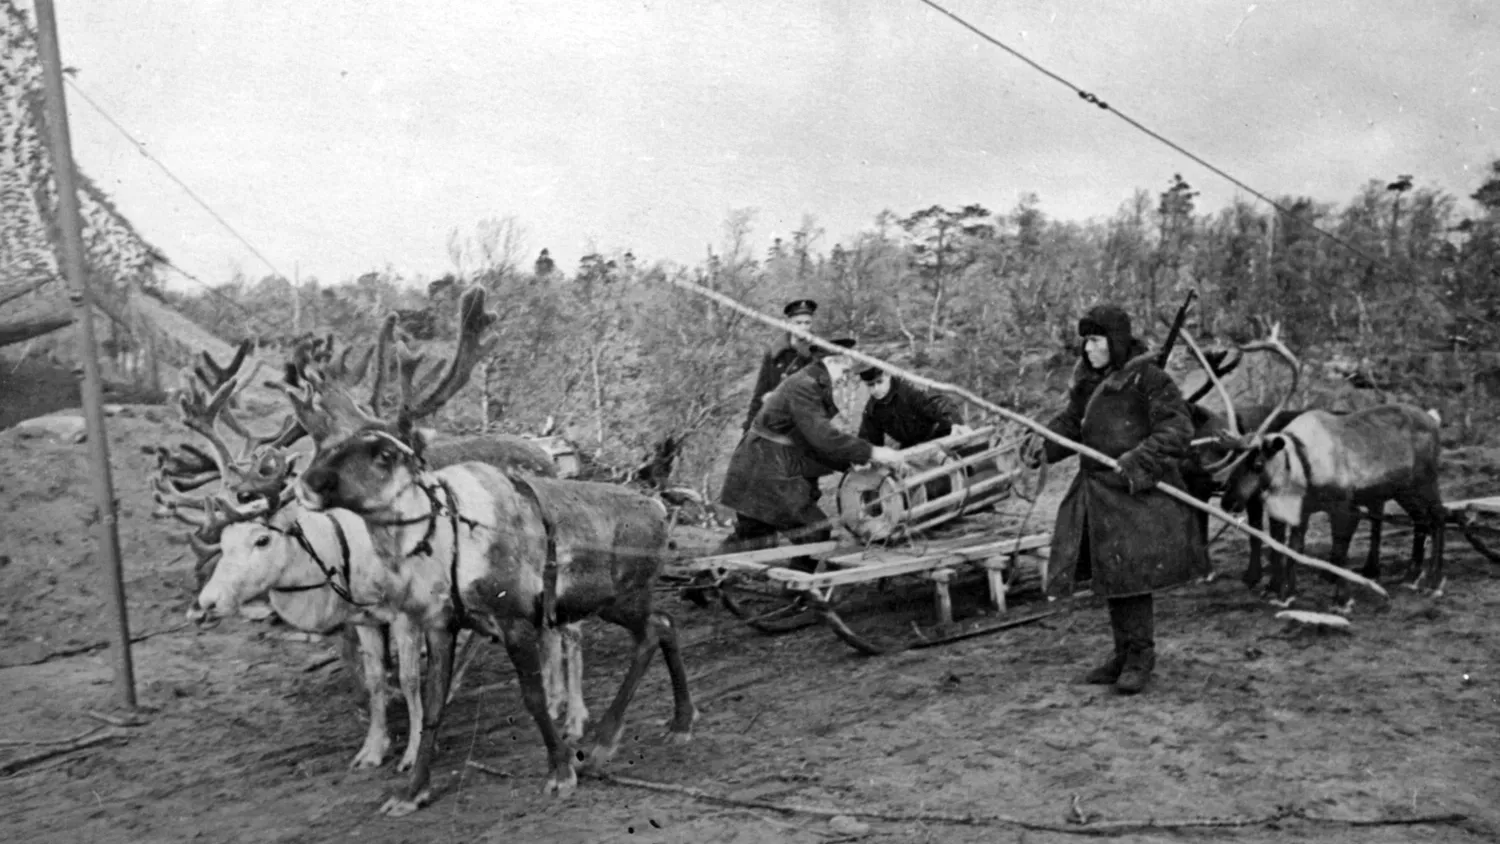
(1138, 478)
(961, 429)
(1033, 451)
(889, 458)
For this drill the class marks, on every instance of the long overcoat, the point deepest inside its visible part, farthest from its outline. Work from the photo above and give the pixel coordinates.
(778, 364)
(1135, 538)
(775, 482)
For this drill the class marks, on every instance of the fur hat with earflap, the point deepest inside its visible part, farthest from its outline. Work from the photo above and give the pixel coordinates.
(1112, 323)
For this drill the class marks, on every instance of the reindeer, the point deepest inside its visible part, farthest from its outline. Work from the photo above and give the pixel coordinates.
(1218, 462)
(502, 555)
(272, 546)
(1325, 462)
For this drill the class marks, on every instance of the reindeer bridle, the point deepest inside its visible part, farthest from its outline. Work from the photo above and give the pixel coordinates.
(330, 576)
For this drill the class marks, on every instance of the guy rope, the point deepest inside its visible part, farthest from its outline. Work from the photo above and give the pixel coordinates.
(1031, 424)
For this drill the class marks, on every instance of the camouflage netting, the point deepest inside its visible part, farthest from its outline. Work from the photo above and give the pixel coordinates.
(135, 342)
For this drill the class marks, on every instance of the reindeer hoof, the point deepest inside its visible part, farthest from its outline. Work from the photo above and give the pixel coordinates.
(562, 786)
(408, 759)
(680, 730)
(400, 807)
(367, 758)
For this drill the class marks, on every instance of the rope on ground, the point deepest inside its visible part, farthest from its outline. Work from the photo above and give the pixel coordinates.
(1088, 828)
(102, 644)
(1026, 422)
(14, 765)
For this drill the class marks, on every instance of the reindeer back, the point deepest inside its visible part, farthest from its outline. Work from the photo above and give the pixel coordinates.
(1370, 453)
(605, 540)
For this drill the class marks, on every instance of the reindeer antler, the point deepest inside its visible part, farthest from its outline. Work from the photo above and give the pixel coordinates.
(382, 363)
(1273, 344)
(319, 385)
(473, 321)
(1241, 446)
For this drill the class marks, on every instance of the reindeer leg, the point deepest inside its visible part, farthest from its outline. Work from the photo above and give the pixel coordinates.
(683, 711)
(554, 680)
(1297, 541)
(435, 688)
(1438, 518)
(409, 666)
(1278, 564)
(1344, 521)
(1254, 514)
(1372, 559)
(378, 738)
(634, 616)
(521, 642)
(572, 653)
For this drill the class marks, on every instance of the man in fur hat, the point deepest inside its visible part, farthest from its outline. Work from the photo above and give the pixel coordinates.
(1114, 527)
(772, 482)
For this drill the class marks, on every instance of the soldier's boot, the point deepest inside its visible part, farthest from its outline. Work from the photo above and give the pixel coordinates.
(1109, 671)
(1140, 645)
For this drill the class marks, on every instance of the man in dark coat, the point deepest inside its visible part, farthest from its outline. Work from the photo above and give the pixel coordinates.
(904, 412)
(1115, 527)
(791, 355)
(772, 483)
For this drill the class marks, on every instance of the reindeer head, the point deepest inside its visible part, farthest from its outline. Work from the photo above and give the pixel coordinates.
(1266, 467)
(256, 555)
(367, 469)
(1228, 448)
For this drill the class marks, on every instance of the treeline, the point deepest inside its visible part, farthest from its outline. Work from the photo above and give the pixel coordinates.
(621, 361)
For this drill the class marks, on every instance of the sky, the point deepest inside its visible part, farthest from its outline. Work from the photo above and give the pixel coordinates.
(342, 137)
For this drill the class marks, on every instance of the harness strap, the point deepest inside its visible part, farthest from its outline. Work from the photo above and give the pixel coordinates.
(330, 578)
(550, 568)
(424, 545)
(453, 519)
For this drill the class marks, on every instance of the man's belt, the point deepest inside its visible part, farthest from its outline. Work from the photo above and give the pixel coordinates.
(758, 431)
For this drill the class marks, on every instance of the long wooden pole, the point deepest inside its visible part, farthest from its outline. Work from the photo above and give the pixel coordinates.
(107, 531)
(1038, 428)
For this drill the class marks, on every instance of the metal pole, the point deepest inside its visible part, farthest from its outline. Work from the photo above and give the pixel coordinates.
(71, 247)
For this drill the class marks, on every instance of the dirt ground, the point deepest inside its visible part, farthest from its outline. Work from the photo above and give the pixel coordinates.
(1246, 718)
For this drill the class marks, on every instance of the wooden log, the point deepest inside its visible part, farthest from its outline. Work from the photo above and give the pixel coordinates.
(906, 564)
(757, 560)
(19, 331)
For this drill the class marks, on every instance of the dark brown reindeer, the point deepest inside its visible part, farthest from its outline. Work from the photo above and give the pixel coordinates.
(508, 557)
(1340, 464)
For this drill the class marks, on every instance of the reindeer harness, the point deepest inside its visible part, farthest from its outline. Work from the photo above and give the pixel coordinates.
(330, 574)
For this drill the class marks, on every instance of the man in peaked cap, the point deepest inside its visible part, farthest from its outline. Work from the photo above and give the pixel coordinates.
(772, 482)
(1113, 526)
(904, 412)
(789, 356)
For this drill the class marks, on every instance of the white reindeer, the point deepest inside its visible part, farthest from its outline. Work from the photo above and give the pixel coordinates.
(294, 551)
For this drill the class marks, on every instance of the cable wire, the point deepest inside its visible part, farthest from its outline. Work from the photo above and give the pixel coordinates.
(141, 148)
(1090, 98)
